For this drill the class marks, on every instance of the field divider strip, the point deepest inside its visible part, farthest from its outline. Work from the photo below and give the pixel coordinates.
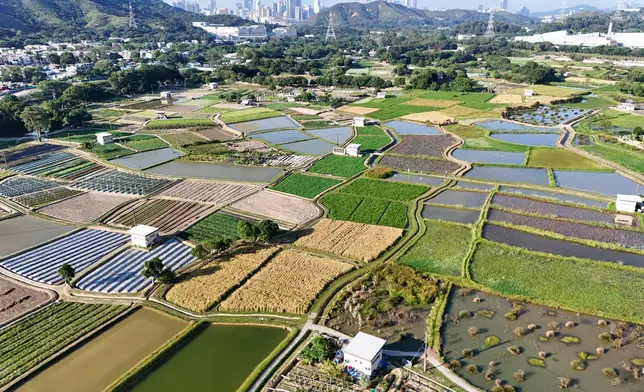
(477, 233)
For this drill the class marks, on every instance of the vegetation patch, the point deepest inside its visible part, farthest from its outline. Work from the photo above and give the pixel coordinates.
(305, 186)
(365, 210)
(180, 123)
(558, 158)
(213, 228)
(143, 142)
(478, 139)
(338, 165)
(248, 115)
(384, 190)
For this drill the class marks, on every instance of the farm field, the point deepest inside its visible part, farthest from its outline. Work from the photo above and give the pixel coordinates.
(17, 186)
(305, 186)
(46, 163)
(554, 196)
(121, 182)
(216, 134)
(180, 123)
(167, 215)
(80, 172)
(46, 196)
(628, 158)
(144, 160)
(465, 199)
(25, 151)
(24, 232)
(38, 337)
(441, 250)
(16, 299)
(212, 228)
(142, 142)
(349, 239)
(203, 288)
(103, 359)
(385, 190)
(207, 192)
(221, 355)
(450, 214)
(418, 165)
(86, 135)
(478, 139)
(80, 250)
(337, 165)
(366, 210)
(84, 208)
(110, 151)
(122, 273)
(279, 207)
(595, 288)
(182, 138)
(420, 145)
(560, 159)
(248, 115)
(289, 283)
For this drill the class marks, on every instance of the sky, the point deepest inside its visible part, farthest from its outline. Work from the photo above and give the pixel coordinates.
(513, 5)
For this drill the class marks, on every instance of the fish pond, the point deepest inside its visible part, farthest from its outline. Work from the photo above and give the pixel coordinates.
(337, 135)
(500, 126)
(415, 179)
(481, 156)
(309, 147)
(474, 186)
(460, 198)
(143, 160)
(555, 196)
(408, 128)
(279, 137)
(216, 171)
(266, 124)
(547, 115)
(596, 182)
(482, 328)
(24, 232)
(510, 174)
(528, 139)
(219, 355)
(450, 214)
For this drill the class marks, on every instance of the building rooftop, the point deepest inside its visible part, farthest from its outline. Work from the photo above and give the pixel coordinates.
(629, 198)
(365, 346)
(103, 134)
(142, 230)
(354, 145)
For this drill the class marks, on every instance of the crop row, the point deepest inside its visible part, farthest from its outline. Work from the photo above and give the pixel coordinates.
(419, 165)
(278, 207)
(305, 186)
(213, 228)
(207, 192)
(366, 210)
(121, 182)
(84, 208)
(80, 172)
(16, 186)
(38, 337)
(143, 142)
(385, 189)
(433, 145)
(45, 163)
(180, 123)
(167, 215)
(28, 151)
(46, 196)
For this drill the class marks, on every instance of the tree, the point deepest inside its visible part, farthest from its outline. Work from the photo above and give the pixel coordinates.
(11, 124)
(318, 350)
(200, 252)
(247, 231)
(154, 268)
(77, 117)
(267, 229)
(36, 119)
(67, 58)
(222, 244)
(66, 272)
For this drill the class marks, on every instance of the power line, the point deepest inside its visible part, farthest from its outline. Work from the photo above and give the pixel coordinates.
(132, 24)
(330, 32)
(490, 26)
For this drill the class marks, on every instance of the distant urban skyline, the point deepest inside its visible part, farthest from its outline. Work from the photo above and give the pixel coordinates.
(513, 5)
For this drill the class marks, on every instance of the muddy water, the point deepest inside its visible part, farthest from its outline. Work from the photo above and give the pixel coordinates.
(266, 124)
(480, 156)
(450, 214)
(603, 183)
(559, 355)
(408, 128)
(416, 179)
(309, 147)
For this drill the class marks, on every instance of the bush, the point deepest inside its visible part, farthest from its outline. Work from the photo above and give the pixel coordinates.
(515, 350)
(472, 369)
(519, 376)
(578, 364)
(454, 365)
(570, 339)
(609, 372)
(492, 341)
(379, 172)
(318, 350)
(537, 362)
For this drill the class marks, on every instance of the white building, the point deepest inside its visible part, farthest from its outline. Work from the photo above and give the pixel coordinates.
(359, 121)
(230, 33)
(381, 95)
(528, 93)
(631, 40)
(166, 95)
(247, 102)
(364, 353)
(628, 203)
(280, 32)
(213, 86)
(627, 106)
(104, 138)
(143, 236)
(353, 150)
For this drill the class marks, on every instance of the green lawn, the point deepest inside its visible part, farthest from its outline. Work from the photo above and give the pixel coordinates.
(371, 139)
(602, 289)
(143, 142)
(366, 210)
(109, 151)
(476, 139)
(305, 186)
(560, 159)
(337, 165)
(590, 103)
(623, 156)
(248, 115)
(180, 123)
(370, 130)
(441, 249)
(384, 189)
(212, 228)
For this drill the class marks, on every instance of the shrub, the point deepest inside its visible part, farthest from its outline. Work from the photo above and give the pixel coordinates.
(492, 341)
(537, 362)
(489, 374)
(602, 323)
(616, 382)
(379, 172)
(464, 314)
(473, 331)
(472, 369)
(605, 337)
(496, 388)
(637, 361)
(519, 376)
(542, 354)
(543, 339)
(518, 331)
(454, 365)
(553, 325)
(577, 364)
(586, 356)
(511, 315)
(570, 324)
(515, 350)
(550, 334)
(488, 314)
(467, 352)
(563, 382)
(609, 372)
(532, 327)
(570, 339)
(599, 350)
(508, 388)
(319, 350)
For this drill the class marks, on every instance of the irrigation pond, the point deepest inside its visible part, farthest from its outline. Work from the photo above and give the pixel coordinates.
(146, 159)
(216, 171)
(510, 174)
(450, 214)
(555, 196)
(265, 124)
(310, 147)
(279, 137)
(337, 135)
(220, 355)
(24, 232)
(528, 139)
(415, 179)
(408, 128)
(517, 358)
(482, 156)
(460, 198)
(507, 126)
(597, 182)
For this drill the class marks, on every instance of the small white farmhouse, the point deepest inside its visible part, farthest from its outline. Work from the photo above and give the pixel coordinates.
(353, 150)
(160, 116)
(628, 203)
(144, 236)
(528, 92)
(213, 85)
(359, 121)
(247, 102)
(166, 94)
(104, 138)
(364, 353)
(381, 95)
(626, 106)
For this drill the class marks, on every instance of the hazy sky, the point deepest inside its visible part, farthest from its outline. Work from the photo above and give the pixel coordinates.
(513, 5)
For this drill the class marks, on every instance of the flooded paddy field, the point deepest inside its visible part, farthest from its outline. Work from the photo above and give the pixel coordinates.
(338, 135)
(595, 182)
(216, 171)
(408, 128)
(515, 352)
(416, 179)
(147, 159)
(450, 214)
(482, 156)
(279, 137)
(97, 363)
(558, 247)
(625, 238)
(510, 174)
(424, 145)
(420, 165)
(548, 115)
(265, 124)
(528, 139)
(475, 186)
(460, 198)
(555, 196)
(507, 126)
(220, 355)
(310, 147)
(550, 209)
(24, 232)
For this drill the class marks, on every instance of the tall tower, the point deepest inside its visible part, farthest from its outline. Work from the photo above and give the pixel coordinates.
(330, 32)
(213, 6)
(618, 13)
(490, 26)
(132, 24)
(563, 6)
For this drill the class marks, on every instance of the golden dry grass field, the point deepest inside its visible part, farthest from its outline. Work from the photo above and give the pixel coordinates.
(432, 117)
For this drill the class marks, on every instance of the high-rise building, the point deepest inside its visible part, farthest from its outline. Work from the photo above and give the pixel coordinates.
(213, 6)
(524, 11)
(316, 6)
(504, 5)
(290, 9)
(248, 4)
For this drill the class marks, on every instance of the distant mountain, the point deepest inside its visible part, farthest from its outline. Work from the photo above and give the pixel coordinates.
(576, 8)
(389, 15)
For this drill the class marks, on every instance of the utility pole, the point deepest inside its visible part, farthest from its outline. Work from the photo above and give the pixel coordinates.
(490, 26)
(330, 32)
(132, 24)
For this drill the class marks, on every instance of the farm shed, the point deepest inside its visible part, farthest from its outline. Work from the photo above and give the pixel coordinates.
(364, 353)
(359, 121)
(628, 203)
(166, 94)
(353, 150)
(104, 138)
(144, 236)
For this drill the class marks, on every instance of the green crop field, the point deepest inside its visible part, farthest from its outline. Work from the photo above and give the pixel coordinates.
(393, 107)
(460, 97)
(182, 138)
(441, 249)
(589, 103)
(212, 228)
(180, 123)
(621, 155)
(109, 151)
(41, 335)
(337, 165)
(384, 189)
(305, 186)
(371, 139)
(143, 142)
(370, 130)
(248, 115)
(476, 139)
(84, 136)
(558, 158)
(601, 289)
(366, 210)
